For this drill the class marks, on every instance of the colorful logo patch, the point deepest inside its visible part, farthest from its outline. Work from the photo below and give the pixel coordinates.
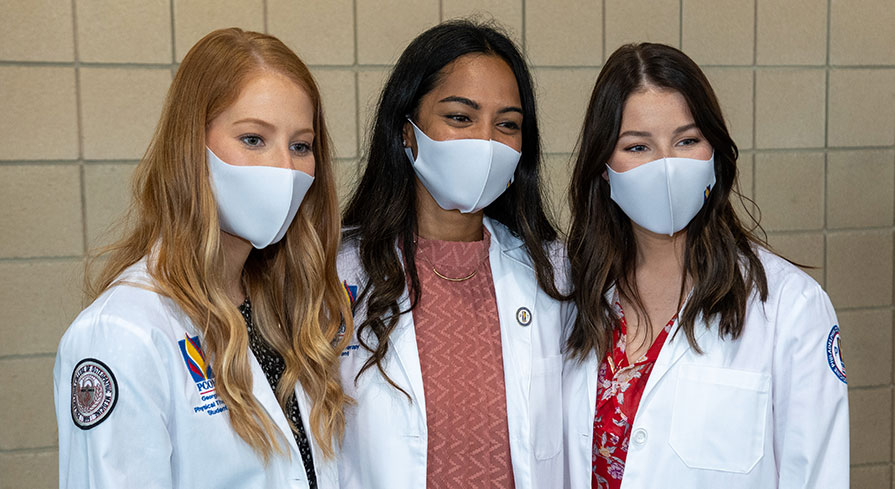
(708, 190)
(94, 393)
(350, 292)
(196, 363)
(834, 353)
(200, 370)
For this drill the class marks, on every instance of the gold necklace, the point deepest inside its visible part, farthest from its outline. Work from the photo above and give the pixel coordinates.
(455, 279)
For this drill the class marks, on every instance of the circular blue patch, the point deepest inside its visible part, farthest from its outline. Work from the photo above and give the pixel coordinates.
(834, 353)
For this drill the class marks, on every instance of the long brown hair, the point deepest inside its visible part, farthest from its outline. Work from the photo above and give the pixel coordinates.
(382, 210)
(297, 299)
(720, 257)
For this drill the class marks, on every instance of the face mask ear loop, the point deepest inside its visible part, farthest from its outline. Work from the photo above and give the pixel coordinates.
(490, 167)
(670, 199)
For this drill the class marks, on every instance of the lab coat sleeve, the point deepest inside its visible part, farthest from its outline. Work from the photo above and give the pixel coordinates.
(810, 400)
(131, 447)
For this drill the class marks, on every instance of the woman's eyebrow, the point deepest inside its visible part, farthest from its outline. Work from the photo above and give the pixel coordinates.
(639, 134)
(253, 120)
(511, 108)
(462, 100)
(474, 105)
(687, 127)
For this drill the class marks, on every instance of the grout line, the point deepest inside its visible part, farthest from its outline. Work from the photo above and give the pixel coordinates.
(867, 229)
(139, 65)
(440, 11)
(173, 33)
(829, 27)
(603, 33)
(35, 450)
(869, 387)
(38, 259)
(826, 268)
(65, 162)
(79, 120)
(85, 64)
(264, 16)
(26, 356)
(826, 196)
(865, 309)
(358, 143)
(744, 152)
(757, 151)
(12, 163)
(354, 21)
(870, 464)
(680, 28)
(755, 33)
(522, 35)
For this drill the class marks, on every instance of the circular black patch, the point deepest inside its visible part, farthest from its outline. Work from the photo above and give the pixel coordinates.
(94, 393)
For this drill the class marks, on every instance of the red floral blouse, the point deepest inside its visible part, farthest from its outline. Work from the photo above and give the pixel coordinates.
(619, 388)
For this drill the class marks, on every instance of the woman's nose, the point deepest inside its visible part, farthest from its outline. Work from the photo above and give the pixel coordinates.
(283, 159)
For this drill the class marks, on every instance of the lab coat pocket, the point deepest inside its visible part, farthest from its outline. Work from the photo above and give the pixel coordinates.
(546, 406)
(719, 417)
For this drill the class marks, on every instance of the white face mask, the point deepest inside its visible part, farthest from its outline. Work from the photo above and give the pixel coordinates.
(257, 203)
(663, 195)
(463, 174)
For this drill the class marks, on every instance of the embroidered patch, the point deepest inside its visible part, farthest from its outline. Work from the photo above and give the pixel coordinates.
(350, 292)
(523, 316)
(194, 357)
(834, 353)
(94, 393)
(199, 369)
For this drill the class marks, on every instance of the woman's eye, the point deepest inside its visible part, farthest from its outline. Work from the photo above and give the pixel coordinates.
(688, 141)
(510, 125)
(458, 118)
(636, 148)
(300, 148)
(251, 140)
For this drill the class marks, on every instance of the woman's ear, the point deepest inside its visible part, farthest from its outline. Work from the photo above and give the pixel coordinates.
(409, 138)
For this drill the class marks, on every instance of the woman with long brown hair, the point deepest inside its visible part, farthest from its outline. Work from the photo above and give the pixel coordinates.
(456, 365)
(698, 358)
(208, 357)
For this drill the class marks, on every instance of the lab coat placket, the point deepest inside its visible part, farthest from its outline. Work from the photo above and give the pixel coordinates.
(265, 396)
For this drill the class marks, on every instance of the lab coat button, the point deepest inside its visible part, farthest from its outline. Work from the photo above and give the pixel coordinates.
(640, 436)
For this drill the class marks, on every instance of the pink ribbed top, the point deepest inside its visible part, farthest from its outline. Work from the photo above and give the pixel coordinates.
(458, 337)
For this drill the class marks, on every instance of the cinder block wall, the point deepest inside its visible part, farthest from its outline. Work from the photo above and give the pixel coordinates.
(808, 89)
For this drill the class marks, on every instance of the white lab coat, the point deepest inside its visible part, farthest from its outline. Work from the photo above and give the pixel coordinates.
(764, 411)
(386, 434)
(161, 433)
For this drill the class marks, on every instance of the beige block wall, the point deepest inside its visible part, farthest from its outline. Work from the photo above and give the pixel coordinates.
(807, 86)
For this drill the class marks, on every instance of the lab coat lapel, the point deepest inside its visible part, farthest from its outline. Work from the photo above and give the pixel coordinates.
(403, 341)
(326, 469)
(676, 345)
(508, 261)
(268, 400)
